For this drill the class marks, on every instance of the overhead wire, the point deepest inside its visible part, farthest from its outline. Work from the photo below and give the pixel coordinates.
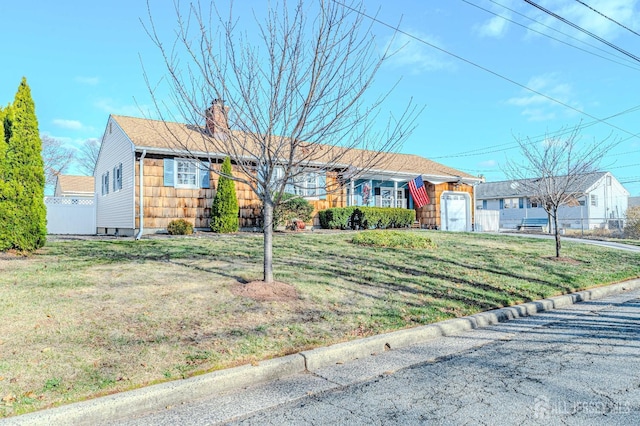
(550, 36)
(607, 17)
(483, 68)
(560, 32)
(497, 74)
(579, 28)
(535, 139)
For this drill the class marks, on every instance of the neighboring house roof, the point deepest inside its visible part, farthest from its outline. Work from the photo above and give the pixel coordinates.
(74, 185)
(515, 188)
(158, 135)
(634, 201)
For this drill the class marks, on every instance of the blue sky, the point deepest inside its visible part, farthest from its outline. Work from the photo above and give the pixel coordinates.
(470, 67)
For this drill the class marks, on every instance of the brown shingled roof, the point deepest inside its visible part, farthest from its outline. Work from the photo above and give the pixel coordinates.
(76, 184)
(157, 134)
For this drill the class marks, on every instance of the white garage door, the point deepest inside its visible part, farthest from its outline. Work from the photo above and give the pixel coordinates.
(454, 211)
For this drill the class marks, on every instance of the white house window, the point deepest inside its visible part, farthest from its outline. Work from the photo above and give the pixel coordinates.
(511, 203)
(186, 174)
(308, 185)
(117, 178)
(534, 204)
(105, 183)
(594, 200)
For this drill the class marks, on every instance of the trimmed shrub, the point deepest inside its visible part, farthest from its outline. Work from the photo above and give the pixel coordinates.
(366, 218)
(292, 207)
(224, 211)
(632, 225)
(336, 218)
(396, 239)
(180, 227)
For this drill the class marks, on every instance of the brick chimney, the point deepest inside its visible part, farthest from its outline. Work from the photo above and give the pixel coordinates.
(216, 116)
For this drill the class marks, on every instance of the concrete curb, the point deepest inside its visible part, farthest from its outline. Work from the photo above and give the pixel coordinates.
(157, 397)
(347, 351)
(163, 395)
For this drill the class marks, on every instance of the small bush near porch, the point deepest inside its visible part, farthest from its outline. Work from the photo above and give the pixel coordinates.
(366, 218)
(88, 318)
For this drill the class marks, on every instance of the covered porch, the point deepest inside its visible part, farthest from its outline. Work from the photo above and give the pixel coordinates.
(451, 197)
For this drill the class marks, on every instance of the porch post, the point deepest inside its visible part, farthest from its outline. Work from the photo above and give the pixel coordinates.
(395, 194)
(352, 188)
(372, 193)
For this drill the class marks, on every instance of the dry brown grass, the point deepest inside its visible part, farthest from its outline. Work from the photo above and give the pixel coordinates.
(85, 318)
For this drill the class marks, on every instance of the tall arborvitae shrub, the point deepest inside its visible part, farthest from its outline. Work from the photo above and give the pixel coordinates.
(224, 212)
(25, 228)
(7, 209)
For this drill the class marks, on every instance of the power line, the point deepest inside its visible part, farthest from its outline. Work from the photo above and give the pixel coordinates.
(549, 36)
(558, 31)
(495, 73)
(539, 138)
(579, 28)
(605, 16)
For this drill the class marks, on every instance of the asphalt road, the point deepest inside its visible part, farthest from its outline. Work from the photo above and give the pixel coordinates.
(578, 365)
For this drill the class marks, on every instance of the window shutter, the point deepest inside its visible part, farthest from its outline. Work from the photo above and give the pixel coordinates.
(528, 203)
(168, 172)
(484, 204)
(520, 203)
(322, 186)
(115, 179)
(204, 175)
(501, 203)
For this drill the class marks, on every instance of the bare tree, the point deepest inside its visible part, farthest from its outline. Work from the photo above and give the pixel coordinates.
(288, 106)
(57, 158)
(88, 156)
(555, 171)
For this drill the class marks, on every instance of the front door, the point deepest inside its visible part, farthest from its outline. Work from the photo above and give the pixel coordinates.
(386, 197)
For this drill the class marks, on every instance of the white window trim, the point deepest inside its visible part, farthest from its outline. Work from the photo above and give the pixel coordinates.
(176, 180)
(301, 188)
(105, 183)
(117, 177)
(511, 203)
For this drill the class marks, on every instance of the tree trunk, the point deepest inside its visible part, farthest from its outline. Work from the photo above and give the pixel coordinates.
(268, 240)
(556, 232)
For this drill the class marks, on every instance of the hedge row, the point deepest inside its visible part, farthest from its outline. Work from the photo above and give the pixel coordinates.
(366, 218)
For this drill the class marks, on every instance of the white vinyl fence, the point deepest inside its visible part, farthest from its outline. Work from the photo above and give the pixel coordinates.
(487, 220)
(69, 215)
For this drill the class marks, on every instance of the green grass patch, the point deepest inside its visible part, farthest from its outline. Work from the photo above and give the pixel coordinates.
(393, 239)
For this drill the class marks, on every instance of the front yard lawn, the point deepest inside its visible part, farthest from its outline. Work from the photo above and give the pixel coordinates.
(87, 318)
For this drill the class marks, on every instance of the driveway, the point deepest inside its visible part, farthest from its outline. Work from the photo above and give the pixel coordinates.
(609, 244)
(576, 365)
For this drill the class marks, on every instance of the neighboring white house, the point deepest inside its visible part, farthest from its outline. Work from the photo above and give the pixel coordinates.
(601, 202)
(74, 186)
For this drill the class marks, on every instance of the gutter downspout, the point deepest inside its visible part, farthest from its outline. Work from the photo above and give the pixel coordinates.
(141, 195)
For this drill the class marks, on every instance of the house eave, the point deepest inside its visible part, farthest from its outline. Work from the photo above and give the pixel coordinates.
(369, 174)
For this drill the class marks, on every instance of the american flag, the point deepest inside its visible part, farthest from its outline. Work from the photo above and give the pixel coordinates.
(418, 192)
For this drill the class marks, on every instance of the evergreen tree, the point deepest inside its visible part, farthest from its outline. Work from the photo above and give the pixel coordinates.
(224, 212)
(24, 217)
(6, 203)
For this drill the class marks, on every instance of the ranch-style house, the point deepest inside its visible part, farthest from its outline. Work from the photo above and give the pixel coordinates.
(176, 186)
